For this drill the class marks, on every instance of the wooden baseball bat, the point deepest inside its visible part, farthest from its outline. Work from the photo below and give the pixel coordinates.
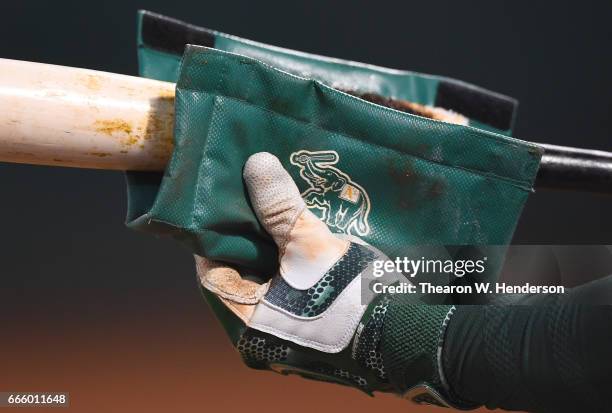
(62, 116)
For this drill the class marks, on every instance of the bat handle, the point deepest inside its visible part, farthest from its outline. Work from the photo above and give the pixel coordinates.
(62, 116)
(575, 169)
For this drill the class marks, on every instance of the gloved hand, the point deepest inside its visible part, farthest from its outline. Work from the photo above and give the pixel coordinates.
(313, 317)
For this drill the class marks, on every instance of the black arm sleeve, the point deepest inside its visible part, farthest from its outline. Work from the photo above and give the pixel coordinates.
(543, 353)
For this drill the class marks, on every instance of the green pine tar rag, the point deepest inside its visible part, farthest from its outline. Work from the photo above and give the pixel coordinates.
(391, 178)
(162, 40)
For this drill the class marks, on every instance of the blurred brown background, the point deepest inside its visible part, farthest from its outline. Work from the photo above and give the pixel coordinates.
(153, 353)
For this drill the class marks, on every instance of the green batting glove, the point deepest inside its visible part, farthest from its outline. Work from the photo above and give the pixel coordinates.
(317, 317)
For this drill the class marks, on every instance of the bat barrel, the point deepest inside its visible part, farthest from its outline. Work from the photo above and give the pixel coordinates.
(60, 116)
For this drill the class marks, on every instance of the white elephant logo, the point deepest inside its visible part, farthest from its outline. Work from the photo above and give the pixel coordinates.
(338, 201)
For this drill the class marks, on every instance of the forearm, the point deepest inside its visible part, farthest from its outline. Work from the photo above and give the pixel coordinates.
(548, 353)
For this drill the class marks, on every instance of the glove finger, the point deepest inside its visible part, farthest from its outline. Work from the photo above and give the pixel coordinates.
(236, 293)
(307, 248)
(275, 198)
